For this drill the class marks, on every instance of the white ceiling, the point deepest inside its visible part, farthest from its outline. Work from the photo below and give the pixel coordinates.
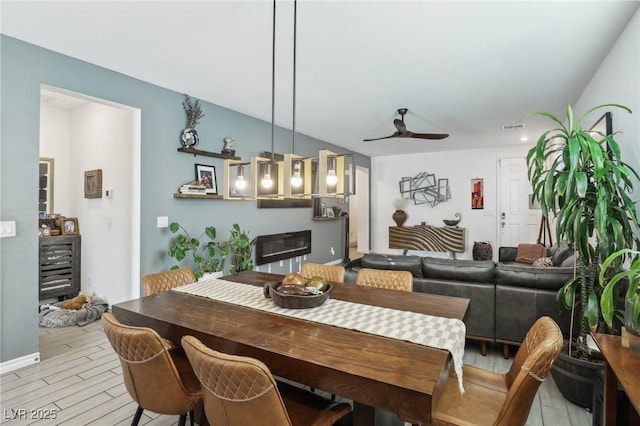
(463, 68)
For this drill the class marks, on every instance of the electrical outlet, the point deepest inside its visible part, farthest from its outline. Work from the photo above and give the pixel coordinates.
(333, 252)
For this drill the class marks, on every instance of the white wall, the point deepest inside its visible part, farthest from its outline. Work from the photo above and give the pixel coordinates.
(618, 81)
(55, 142)
(459, 167)
(101, 139)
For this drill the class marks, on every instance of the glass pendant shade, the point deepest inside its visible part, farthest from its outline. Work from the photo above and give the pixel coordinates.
(268, 178)
(336, 174)
(237, 180)
(298, 177)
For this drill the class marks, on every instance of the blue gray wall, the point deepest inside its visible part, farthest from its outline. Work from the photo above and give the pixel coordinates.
(24, 68)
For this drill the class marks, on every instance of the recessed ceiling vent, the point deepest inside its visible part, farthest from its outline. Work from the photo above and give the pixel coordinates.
(513, 126)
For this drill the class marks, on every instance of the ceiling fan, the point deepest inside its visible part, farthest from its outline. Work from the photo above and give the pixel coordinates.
(402, 131)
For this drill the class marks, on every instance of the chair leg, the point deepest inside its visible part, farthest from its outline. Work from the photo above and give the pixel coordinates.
(136, 417)
(182, 420)
(192, 415)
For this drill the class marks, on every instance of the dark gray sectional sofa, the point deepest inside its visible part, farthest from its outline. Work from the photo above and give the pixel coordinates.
(506, 297)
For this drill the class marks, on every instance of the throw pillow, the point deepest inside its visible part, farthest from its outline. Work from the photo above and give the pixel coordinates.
(543, 262)
(529, 253)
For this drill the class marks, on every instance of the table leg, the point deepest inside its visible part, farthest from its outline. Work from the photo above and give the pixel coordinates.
(610, 393)
(363, 415)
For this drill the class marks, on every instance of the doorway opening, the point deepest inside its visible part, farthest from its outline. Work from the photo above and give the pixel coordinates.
(86, 134)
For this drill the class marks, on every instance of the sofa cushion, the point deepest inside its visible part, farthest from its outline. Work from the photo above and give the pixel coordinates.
(561, 253)
(393, 262)
(521, 275)
(529, 253)
(458, 270)
(543, 262)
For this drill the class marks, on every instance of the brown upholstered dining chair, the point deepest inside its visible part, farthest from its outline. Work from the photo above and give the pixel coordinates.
(383, 278)
(159, 379)
(333, 273)
(502, 399)
(240, 391)
(166, 280)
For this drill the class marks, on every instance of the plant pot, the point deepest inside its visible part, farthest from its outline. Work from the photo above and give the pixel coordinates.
(211, 275)
(576, 378)
(399, 217)
(628, 318)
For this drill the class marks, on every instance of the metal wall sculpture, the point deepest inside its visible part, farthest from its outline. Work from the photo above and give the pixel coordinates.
(424, 188)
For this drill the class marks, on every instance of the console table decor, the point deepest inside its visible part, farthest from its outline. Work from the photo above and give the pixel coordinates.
(427, 238)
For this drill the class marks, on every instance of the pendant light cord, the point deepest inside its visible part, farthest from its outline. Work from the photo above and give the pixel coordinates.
(295, 33)
(273, 80)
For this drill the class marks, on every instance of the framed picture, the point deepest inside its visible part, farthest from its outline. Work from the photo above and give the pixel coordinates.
(477, 194)
(70, 226)
(93, 183)
(207, 176)
(45, 202)
(330, 213)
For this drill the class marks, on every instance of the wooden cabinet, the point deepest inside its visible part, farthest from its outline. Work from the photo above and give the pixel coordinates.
(59, 263)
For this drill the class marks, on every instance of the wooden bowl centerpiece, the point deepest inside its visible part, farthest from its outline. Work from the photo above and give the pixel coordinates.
(296, 295)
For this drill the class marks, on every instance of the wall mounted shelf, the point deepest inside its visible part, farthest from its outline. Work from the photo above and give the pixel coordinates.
(320, 219)
(197, 196)
(206, 153)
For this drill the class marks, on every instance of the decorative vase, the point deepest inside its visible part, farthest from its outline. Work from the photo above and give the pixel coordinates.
(482, 250)
(399, 217)
(189, 137)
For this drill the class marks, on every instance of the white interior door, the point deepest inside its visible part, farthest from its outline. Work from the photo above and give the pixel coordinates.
(518, 221)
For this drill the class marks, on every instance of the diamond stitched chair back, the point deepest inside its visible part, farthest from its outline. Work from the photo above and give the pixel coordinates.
(382, 278)
(333, 273)
(158, 379)
(240, 391)
(502, 399)
(164, 281)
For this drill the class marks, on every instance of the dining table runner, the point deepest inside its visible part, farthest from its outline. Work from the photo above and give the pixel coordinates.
(427, 330)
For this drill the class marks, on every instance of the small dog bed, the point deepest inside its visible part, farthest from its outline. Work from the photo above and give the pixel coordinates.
(53, 315)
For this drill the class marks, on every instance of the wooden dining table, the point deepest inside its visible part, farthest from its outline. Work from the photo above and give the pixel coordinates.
(372, 371)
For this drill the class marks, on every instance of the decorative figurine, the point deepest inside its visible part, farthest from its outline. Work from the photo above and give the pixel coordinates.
(227, 149)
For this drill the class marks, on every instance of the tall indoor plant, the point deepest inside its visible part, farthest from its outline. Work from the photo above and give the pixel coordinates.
(579, 178)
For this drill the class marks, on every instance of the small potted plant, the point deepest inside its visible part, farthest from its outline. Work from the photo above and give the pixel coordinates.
(208, 258)
(610, 292)
(240, 248)
(193, 111)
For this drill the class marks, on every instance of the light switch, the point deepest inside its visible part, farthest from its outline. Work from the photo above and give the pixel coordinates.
(162, 222)
(8, 229)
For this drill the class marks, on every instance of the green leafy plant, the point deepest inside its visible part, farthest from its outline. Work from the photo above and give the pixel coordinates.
(579, 177)
(240, 248)
(207, 257)
(610, 292)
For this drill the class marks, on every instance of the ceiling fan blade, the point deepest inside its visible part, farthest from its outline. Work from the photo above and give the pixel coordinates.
(427, 135)
(402, 128)
(395, 135)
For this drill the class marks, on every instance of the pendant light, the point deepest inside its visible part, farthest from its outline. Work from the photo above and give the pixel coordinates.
(297, 173)
(268, 182)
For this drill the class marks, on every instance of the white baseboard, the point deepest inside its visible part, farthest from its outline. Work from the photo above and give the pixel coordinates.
(18, 363)
(335, 262)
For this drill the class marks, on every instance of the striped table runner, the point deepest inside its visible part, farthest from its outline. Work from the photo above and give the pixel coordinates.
(427, 330)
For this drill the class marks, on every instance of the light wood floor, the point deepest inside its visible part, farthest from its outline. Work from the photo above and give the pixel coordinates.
(79, 381)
